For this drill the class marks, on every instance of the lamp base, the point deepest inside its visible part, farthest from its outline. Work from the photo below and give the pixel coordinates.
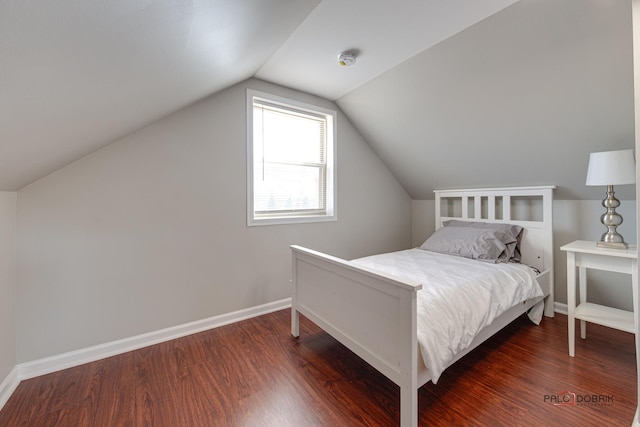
(612, 245)
(611, 219)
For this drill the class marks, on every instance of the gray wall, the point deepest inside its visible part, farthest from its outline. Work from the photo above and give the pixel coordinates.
(572, 220)
(150, 231)
(7, 283)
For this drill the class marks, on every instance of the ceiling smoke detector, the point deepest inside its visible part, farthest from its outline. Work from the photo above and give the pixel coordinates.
(346, 59)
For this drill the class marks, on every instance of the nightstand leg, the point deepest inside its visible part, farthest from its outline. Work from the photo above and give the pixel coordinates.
(571, 300)
(582, 279)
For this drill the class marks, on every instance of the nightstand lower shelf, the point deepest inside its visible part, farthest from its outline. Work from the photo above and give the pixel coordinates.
(606, 316)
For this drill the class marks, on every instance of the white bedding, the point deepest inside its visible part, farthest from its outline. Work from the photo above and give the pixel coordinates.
(459, 297)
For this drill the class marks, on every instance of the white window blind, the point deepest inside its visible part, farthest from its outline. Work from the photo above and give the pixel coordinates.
(292, 161)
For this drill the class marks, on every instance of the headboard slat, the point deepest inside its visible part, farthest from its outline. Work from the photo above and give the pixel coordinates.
(506, 208)
(465, 206)
(477, 207)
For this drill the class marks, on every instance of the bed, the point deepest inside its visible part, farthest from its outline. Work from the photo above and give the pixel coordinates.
(374, 313)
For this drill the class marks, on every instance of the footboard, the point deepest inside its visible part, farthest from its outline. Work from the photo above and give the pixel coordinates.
(372, 314)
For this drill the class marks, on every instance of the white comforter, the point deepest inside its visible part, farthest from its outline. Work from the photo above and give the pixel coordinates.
(459, 297)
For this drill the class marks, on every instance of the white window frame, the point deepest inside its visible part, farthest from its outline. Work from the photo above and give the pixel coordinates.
(331, 135)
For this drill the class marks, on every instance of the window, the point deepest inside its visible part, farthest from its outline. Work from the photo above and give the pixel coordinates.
(290, 161)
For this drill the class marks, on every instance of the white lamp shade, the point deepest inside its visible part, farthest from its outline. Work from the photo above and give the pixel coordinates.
(611, 168)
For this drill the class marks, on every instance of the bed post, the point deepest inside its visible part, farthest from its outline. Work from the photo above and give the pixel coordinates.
(408, 406)
(409, 360)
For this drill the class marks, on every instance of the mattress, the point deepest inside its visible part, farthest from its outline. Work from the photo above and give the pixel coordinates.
(459, 297)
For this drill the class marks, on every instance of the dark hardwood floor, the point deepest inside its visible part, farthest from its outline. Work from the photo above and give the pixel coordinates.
(253, 373)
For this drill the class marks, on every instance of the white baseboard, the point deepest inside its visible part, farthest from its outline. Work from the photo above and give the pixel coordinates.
(85, 355)
(8, 386)
(58, 362)
(560, 308)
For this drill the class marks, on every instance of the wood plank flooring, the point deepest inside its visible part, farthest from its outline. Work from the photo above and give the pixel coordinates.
(253, 373)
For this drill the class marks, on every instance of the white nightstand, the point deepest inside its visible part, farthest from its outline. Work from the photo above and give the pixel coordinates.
(584, 254)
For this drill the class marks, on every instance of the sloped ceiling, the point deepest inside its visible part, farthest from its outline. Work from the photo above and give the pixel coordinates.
(77, 75)
(449, 93)
(383, 33)
(520, 98)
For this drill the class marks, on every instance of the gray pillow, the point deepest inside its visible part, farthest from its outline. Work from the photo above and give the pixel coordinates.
(475, 243)
(512, 230)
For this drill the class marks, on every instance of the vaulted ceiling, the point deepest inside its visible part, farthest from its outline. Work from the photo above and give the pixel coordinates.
(449, 93)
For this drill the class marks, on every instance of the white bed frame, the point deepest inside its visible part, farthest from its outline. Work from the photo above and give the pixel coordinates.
(374, 314)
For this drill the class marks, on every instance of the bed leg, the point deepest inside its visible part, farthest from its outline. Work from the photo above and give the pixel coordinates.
(408, 407)
(295, 322)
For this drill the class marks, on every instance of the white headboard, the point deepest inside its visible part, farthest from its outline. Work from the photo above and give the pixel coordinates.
(529, 207)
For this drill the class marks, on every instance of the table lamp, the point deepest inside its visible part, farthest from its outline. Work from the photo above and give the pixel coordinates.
(611, 168)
